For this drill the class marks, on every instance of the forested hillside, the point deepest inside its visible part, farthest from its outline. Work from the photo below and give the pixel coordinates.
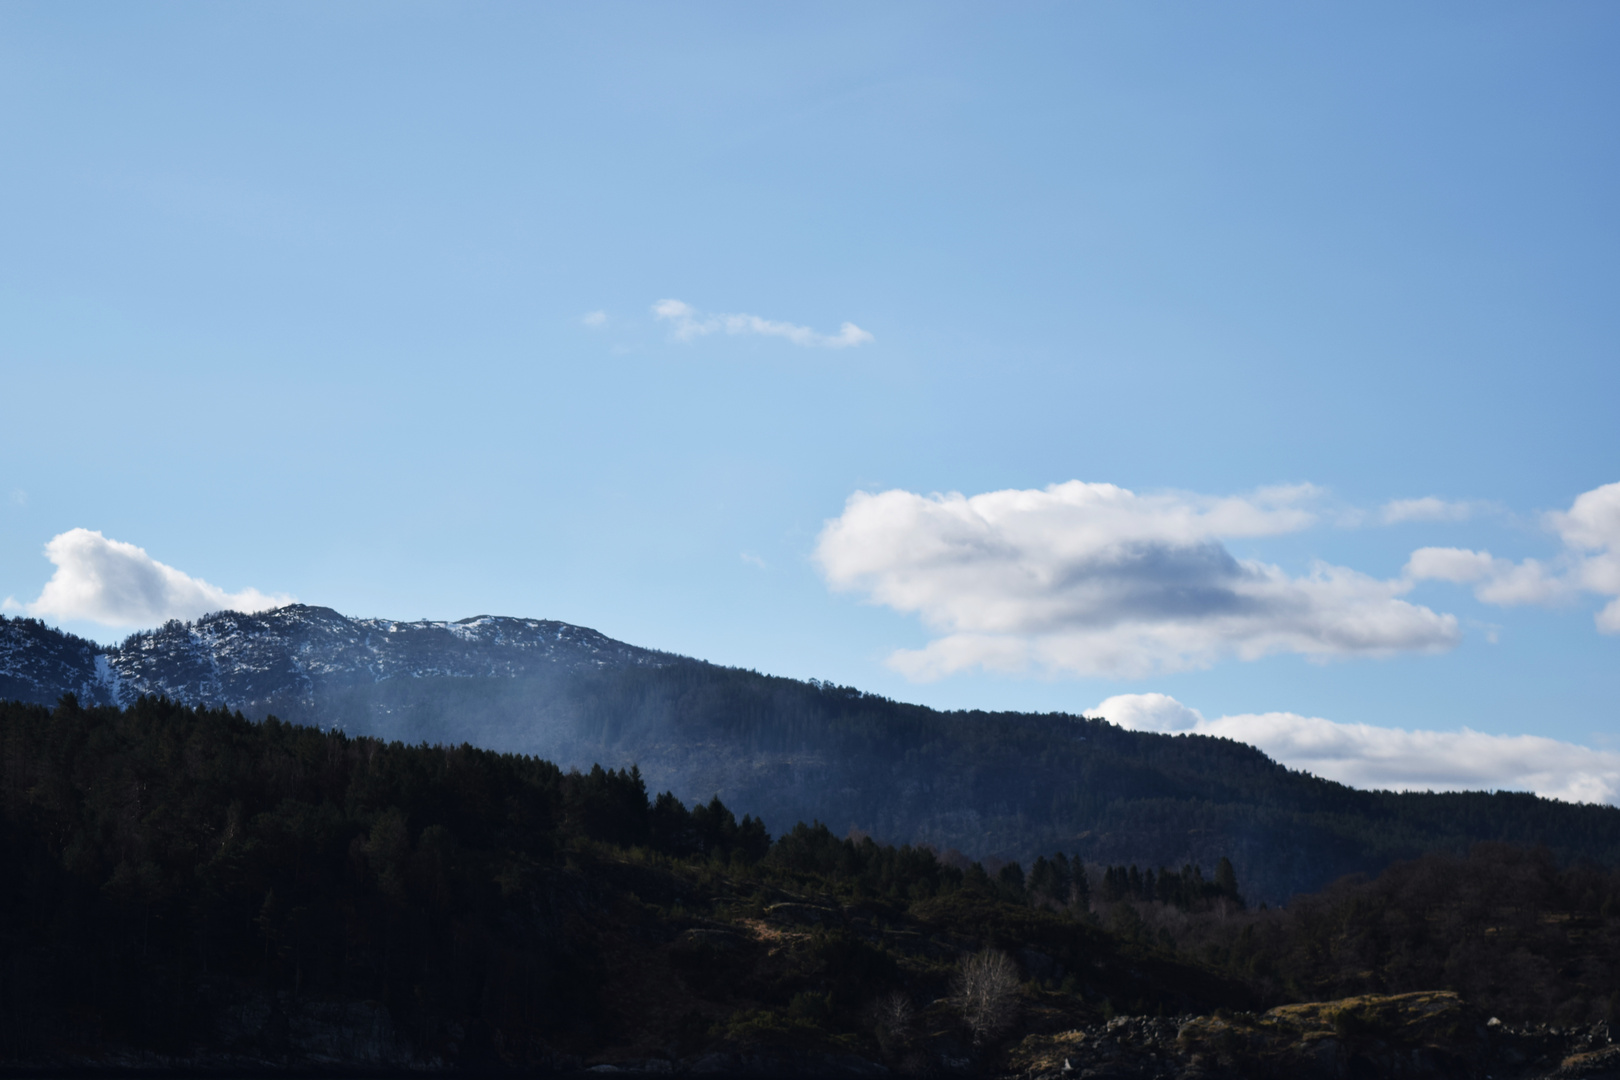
(222, 893)
(1014, 785)
(178, 879)
(990, 785)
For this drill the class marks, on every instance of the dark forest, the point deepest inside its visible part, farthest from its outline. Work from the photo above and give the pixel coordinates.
(167, 865)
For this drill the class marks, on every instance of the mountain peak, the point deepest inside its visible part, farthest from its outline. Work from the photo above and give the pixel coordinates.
(285, 660)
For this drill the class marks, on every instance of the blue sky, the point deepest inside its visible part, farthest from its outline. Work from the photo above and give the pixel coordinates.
(299, 298)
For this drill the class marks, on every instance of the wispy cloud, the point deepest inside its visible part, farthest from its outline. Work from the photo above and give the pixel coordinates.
(119, 584)
(688, 323)
(1428, 508)
(594, 319)
(754, 560)
(1093, 579)
(1391, 758)
(1590, 562)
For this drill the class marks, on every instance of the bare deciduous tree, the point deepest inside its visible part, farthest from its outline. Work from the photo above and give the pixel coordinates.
(892, 1017)
(986, 992)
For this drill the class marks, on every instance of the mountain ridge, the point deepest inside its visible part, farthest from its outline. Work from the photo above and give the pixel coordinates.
(992, 785)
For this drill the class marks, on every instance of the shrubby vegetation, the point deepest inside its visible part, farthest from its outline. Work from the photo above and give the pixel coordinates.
(1514, 933)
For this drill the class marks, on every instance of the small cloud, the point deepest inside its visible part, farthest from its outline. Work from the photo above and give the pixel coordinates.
(10, 604)
(1148, 712)
(754, 560)
(1496, 581)
(19, 497)
(1392, 758)
(689, 323)
(1427, 508)
(594, 319)
(119, 584)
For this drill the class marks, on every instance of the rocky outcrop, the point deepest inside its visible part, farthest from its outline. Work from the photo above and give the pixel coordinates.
(1414, 1036)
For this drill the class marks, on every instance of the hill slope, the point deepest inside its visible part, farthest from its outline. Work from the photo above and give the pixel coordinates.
(1007, 785)
(185, 889)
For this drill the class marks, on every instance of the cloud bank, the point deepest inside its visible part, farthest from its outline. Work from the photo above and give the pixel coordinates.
(1590, 562)
(689, 323)
(1093, 579)
(1391, 758)
(119, 584)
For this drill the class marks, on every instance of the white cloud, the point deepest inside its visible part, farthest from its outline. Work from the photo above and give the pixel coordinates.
(1590, 562)
(1095, 579)
(594, 318)
(119, 584)
(754, 560)
(1428, 508)
(1391, 758)
(689, 323)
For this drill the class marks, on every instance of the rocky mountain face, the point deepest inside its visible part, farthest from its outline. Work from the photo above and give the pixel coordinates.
(300, 663)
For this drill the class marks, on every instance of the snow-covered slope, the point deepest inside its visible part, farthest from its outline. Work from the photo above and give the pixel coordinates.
(302, 663)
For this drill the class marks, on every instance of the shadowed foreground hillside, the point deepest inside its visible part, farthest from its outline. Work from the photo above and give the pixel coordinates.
(188, 888)
(188, 882)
